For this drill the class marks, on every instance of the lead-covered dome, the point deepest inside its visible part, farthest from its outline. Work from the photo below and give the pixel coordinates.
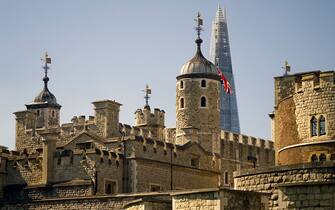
(198, 64)
(45, 98)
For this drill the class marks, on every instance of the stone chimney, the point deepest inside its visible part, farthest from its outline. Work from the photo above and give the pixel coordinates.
(49, 147)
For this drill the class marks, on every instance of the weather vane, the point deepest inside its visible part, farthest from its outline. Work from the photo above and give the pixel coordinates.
(147, 93)
(287, 67)
(47, 60)
(199, 21)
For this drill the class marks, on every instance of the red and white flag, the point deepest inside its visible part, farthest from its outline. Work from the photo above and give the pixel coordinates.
(226, 85)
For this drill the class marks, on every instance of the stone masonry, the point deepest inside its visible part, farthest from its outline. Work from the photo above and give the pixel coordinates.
(298, 99)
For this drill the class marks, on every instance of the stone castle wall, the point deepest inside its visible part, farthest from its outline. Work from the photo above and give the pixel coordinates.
(209, 199)
(298, 98)
(88, 202)
(236, 150)
(294, 186)
(158, 163)
(219, 199)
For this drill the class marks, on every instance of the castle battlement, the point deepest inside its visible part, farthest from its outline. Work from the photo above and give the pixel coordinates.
(289, 85)
(144, 117)
(247, 140)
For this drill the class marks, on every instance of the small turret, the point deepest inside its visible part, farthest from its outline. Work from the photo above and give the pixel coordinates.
(45, 103)
(198, 101)
(43, 113)
(155, 122)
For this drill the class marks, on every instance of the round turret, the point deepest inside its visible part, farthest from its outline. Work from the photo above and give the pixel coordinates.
(198, 102)
(303, 120)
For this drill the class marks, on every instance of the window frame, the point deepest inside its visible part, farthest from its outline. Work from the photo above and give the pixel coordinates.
(201, 102)
(226, 178)
(313, 126)
(182, 103)
(322, 120)
(195, 162)
(109, 181)
(181, 85)
(203, 83)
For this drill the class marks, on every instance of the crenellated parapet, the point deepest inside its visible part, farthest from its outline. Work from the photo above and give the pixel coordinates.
(144, 117)
(303, 116)
(246, 140)
(289, 85)
(153, 121)
(77, 125)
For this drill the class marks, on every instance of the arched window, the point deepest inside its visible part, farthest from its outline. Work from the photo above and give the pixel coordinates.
(182, 103)
(314, 126)
(314, 158)
(322, 125)
(322, 157)
(53, 113)
(38, 112)
(181, 85)
(203, 102)
(203, 83)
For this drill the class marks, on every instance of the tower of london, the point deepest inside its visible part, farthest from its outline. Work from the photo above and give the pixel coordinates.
(98, 162)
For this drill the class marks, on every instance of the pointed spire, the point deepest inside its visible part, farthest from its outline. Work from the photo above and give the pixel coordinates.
(220, 15)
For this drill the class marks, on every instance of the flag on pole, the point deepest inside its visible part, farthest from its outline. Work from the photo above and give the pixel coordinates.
(147, 89)
(226, 85)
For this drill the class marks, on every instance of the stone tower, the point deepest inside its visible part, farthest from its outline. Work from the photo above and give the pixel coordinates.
(198, 101)
(42, 113)
(107, 117)
(304, 116)
(220, 55)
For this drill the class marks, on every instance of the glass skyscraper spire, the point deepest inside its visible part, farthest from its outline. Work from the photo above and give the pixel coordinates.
(220, 55)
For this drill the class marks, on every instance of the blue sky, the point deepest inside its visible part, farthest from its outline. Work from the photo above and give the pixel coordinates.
(110, 49)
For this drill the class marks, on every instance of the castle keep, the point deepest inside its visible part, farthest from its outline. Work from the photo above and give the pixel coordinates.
(303, 132)
(98, 162)
(305, 110)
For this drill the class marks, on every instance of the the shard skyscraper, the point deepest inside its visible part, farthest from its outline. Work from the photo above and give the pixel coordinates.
(220, 55)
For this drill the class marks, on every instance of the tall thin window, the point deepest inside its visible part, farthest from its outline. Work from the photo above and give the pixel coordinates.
(314, 158)
(322, 125)
(203, 102)
(314, 126)
(182, 103)
(181, 84)
(203, 83)
(322, 157)
(226, 181)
